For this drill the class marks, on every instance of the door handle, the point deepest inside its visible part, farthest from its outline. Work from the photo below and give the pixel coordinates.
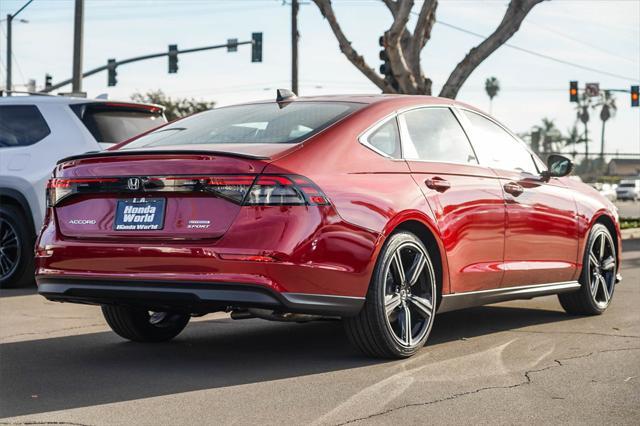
(513, 188)
(438, 184)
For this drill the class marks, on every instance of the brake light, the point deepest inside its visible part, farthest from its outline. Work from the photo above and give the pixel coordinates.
(284, 190)
(240, 189)
(58, 189)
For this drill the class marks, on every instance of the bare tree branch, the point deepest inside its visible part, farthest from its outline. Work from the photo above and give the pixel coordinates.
(345, 46)
(510, 24)
(393, 45)
(392, 5)
(422, 34)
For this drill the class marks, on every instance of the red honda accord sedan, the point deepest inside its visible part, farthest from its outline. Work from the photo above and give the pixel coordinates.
(380, 210)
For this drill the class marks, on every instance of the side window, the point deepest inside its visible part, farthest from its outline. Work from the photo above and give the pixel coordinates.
(435, 135)
(497, 148)
(386, 139)
(21, 125)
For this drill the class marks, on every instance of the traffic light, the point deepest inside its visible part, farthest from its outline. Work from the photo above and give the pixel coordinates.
(256, 47)
(47, 81)
(385, 67)
(173, 58)
(112, 73)
(573, 91)
(635, 96)
(232, 45)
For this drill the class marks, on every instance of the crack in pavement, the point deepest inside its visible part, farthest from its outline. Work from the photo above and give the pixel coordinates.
(45, 333)
(527, 375)
(45, 423)
(594, 333)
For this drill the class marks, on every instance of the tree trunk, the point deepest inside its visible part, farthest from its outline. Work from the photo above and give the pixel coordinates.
(586, 146)
(604, 122)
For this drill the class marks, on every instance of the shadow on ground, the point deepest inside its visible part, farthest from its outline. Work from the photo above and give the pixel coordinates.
(98, 368)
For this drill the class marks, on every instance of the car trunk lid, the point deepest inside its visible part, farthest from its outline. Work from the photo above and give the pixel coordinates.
(174, 195)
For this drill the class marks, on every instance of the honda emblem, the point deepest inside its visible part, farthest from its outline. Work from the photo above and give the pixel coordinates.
(133, 183)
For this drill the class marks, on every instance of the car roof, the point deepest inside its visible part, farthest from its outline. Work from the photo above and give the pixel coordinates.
(397, 100)
(62, 100)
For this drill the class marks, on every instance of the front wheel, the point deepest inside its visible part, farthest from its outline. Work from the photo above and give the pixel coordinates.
(141, 325)
(598, 276)
(399, 309)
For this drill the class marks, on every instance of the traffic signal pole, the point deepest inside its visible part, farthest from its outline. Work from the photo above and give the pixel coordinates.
(143, 58)
(78, 30)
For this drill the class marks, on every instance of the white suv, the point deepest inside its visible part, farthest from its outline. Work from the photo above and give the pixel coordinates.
(628, 190)
(35, 132)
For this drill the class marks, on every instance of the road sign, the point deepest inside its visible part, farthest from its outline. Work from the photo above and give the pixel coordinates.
(592, 89)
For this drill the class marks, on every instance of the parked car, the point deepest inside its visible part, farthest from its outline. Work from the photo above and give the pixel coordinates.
(628, 190)
(380, 210)
(35, 132)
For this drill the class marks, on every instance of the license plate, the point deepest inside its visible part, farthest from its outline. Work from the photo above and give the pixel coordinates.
(139, 214)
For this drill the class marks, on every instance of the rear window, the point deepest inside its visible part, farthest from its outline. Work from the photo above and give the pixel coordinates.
(256, 123)
(21, 125)
(110, 124)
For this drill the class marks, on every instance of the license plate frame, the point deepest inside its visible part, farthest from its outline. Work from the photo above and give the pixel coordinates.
(139, 214)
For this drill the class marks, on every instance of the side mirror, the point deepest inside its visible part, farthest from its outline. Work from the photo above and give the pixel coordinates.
(558, 165)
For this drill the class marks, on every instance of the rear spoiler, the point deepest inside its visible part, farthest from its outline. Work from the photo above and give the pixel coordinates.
(97, 154)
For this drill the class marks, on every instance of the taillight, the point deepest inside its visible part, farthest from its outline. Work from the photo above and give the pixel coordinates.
(231, 187)
(58, 189)
(240, 189)
(284, 190)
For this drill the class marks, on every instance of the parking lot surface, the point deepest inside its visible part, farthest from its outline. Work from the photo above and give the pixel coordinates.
(515, 362)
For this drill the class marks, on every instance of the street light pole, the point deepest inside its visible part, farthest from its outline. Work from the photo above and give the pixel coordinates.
(8, 85)
(76, 85)
(295, 6)
(9, 52)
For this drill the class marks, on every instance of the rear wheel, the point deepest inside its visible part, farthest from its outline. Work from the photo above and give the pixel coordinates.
(399, 310)
(598, 276)
(16, 249)
(141, 325)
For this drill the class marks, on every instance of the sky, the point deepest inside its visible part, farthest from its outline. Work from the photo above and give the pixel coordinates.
(603, 35)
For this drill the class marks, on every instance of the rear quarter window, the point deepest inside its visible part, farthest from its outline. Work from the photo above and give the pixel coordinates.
(21, 125)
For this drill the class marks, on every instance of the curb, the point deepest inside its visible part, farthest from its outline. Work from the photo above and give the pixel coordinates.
(631, 233)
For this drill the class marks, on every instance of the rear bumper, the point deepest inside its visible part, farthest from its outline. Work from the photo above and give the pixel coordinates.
(192, 296)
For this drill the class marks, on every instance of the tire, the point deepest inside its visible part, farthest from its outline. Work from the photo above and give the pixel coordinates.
(140, 325)
(599, 268)
(16, 249)
(407, 295)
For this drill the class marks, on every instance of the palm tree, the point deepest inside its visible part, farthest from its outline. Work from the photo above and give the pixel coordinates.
(582, 113)
(573, 138)
(607, 104)
(492, 87)
(549, 135)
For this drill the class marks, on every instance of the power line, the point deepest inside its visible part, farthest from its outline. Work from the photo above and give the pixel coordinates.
(577, 40)
(540, 55)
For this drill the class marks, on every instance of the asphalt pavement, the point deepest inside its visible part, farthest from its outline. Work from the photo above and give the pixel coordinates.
(628, 209)
(515, 362)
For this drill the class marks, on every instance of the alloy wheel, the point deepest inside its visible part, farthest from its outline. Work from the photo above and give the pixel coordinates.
(9, 249)
(602, 269)
(409, 294)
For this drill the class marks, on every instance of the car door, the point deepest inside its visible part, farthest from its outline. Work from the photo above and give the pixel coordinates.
(465, 197)
(541, 241)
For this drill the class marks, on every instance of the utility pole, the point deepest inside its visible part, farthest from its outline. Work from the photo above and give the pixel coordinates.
(78, 24)
(295, 7)
(9, 85)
